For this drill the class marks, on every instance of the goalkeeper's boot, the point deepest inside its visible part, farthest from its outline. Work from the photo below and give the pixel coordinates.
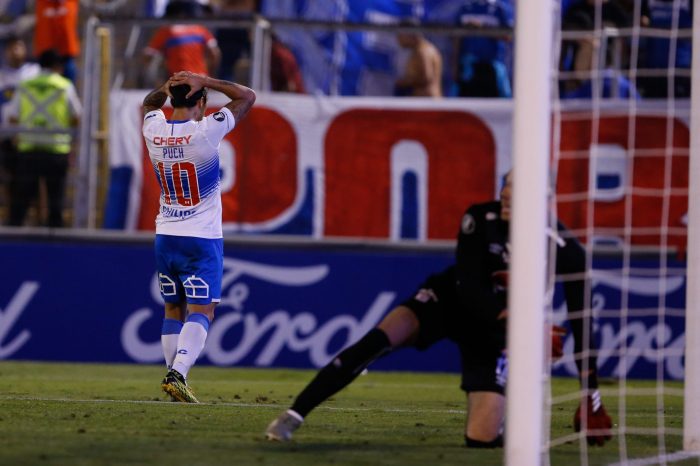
(281, 429)
(174, 385)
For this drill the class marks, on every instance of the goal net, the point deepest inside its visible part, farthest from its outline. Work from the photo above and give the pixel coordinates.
(618, 177)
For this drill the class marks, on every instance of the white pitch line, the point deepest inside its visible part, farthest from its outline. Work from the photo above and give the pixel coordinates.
(228, 404)
(359, 383)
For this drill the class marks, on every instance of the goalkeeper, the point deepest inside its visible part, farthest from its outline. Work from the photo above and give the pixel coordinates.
(466, 303)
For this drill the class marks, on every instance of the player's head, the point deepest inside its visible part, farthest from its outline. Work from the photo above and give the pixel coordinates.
(408, 40)
(51, 60)
(183, 9)
(197, 101)
(15, 51)
(506, 192)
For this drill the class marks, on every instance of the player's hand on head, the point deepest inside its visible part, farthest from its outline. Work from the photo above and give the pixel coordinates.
(597, 423)
(194, 80)
(166, 87)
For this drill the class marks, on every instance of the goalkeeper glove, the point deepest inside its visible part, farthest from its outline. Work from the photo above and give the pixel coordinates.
(500, 280)
(597, 422)
(558, 334)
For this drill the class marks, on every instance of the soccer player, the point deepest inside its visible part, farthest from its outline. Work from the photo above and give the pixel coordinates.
(184, 151)
(467, 304)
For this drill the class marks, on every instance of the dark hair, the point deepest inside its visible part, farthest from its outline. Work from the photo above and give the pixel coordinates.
(50, 59)
(179, 92)
(183, 9)
(12, 38)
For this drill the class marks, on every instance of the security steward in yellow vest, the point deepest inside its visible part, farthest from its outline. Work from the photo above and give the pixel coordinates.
(48, 101)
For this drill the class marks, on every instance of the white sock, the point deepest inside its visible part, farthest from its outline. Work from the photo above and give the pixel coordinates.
(191, 342)
(169, 343)
(168, 339)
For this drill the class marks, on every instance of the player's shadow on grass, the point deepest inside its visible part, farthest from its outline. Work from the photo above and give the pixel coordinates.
(376, 452)
(369, 447)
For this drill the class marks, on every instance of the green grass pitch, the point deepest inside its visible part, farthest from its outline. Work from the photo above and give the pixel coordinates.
(97, 414)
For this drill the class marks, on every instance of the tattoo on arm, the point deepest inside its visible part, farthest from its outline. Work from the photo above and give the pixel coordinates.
(154, 100)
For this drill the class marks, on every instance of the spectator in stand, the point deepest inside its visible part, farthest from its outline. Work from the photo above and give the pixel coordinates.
(657, 51)
(285, 75)
(15, 68)
(579, 55)
(57, 29)
(46, 102)
(481, 62)
(423, 73)
(184, 46)
(234, 42)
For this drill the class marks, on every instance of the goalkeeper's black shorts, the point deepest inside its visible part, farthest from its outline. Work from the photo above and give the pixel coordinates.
(436, 306)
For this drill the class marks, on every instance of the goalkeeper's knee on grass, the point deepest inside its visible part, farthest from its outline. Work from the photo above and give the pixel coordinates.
(495, 443)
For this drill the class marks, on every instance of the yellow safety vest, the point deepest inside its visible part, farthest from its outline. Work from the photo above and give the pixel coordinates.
(43, 103)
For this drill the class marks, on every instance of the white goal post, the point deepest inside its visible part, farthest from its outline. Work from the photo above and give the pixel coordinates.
(691, 406)
(531, 148)
(526, 431)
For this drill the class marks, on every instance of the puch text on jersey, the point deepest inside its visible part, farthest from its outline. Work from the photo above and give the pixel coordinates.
(176, 152)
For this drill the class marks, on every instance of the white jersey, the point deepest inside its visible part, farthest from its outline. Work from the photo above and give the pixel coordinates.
(185, 158)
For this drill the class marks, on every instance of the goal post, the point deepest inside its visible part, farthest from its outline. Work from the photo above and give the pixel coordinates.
(536, 76)
(526, 300)
(691, 406)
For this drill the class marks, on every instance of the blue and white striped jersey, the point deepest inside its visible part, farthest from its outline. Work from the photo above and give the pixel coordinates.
(185, 158)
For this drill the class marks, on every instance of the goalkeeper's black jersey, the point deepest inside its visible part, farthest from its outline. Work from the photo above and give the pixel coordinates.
(482, 260)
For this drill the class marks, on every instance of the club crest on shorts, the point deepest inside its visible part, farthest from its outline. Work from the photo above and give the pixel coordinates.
(468, 224)
(219, 116)
(167, 285)
(195, 287)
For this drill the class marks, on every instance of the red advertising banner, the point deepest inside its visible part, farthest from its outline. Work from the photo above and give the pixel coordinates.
(407, 168)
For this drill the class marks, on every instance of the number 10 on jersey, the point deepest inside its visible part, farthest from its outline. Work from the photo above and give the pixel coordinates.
(182, 178)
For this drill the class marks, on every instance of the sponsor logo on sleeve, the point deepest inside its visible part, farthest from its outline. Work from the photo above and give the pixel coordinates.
(219, 116)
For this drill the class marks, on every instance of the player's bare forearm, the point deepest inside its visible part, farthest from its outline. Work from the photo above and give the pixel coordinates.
(155, 99)
(242, 98)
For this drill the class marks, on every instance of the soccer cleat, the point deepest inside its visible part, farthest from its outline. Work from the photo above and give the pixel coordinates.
(174, 385)
(281, 429)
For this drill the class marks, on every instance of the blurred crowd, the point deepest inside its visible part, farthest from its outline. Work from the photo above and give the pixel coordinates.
(422, 63)
(415, 60)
